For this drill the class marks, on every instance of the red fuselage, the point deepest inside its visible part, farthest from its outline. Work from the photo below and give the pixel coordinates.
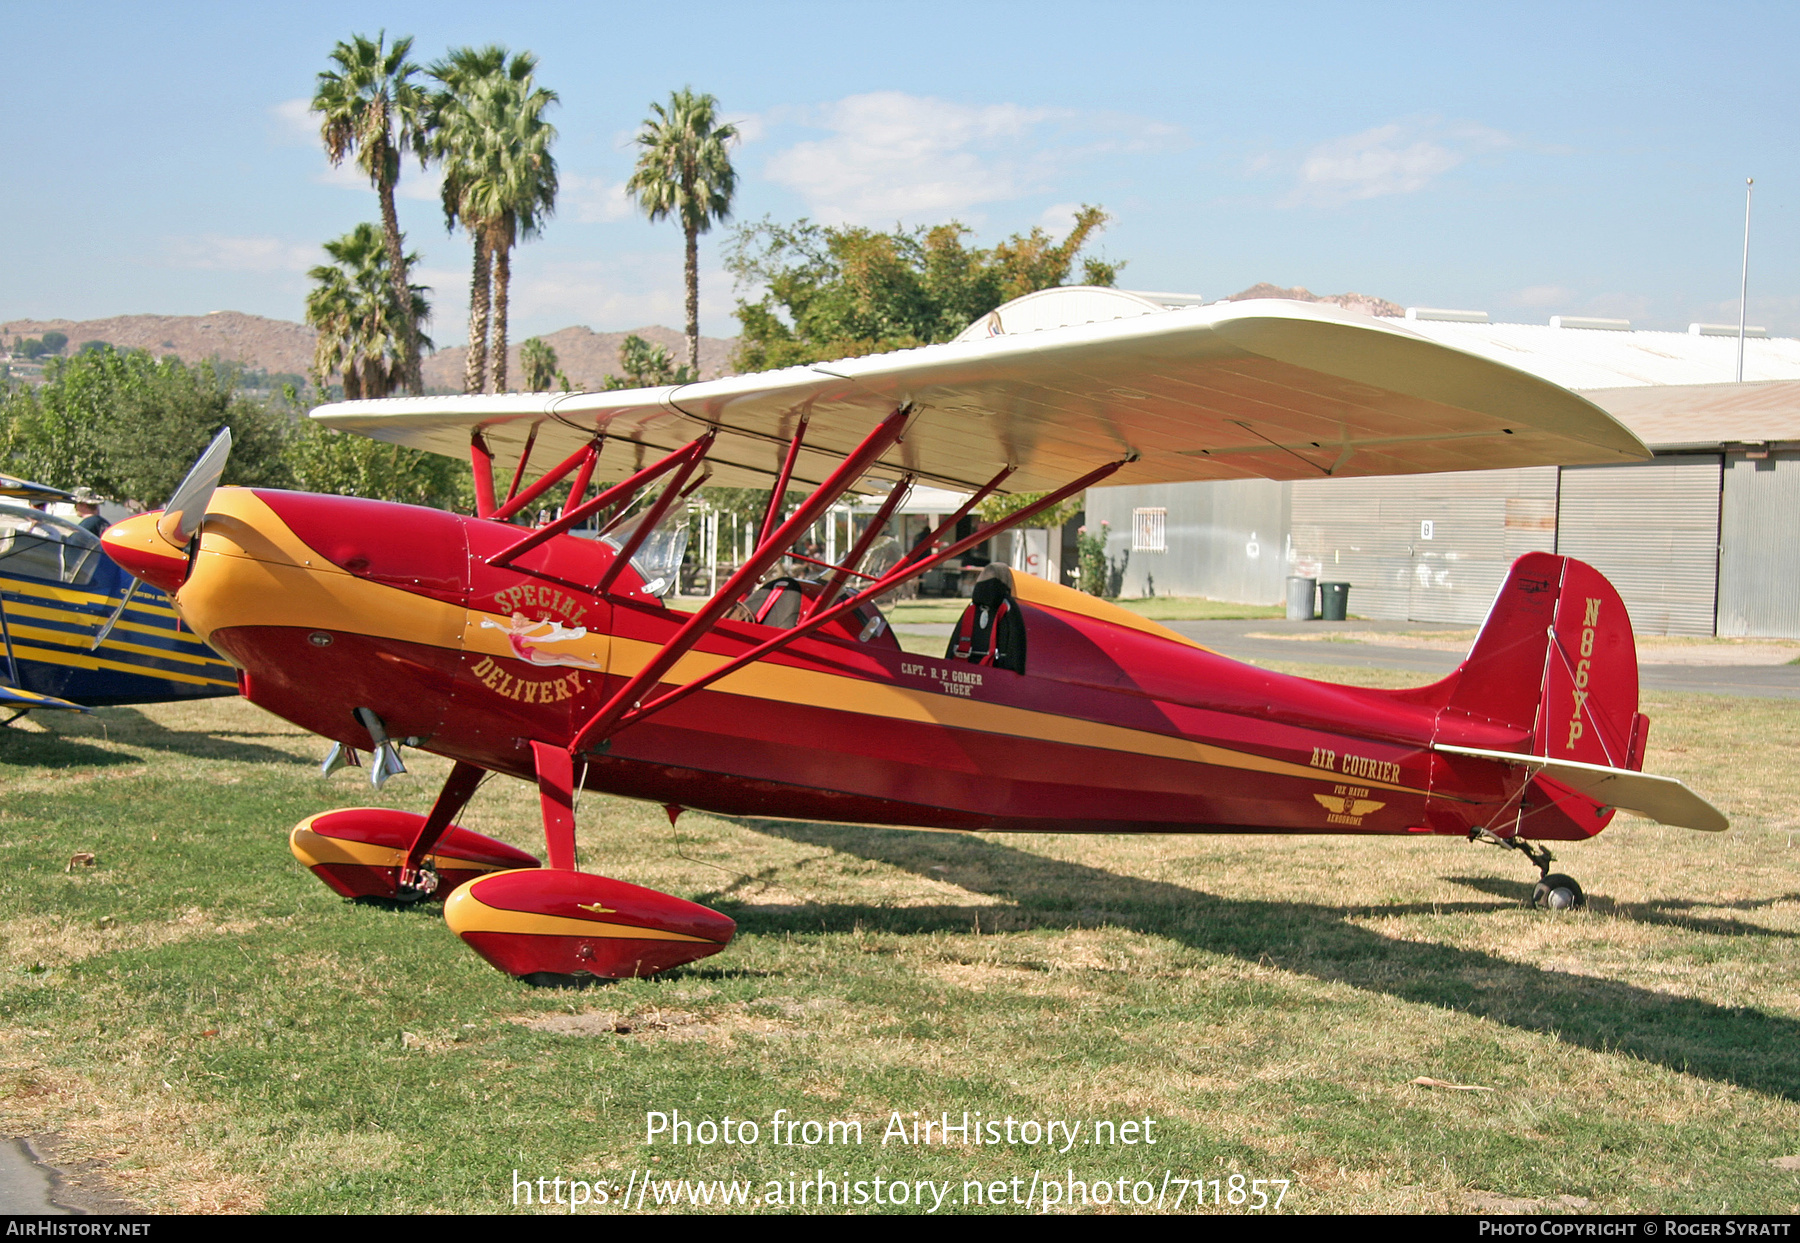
(330, 604)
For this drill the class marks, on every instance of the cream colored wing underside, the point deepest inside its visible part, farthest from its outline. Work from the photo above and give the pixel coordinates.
(1260, 389)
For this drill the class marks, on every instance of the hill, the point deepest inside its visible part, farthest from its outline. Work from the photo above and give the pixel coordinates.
(278, 345)
(274, 345)
(1362, 303)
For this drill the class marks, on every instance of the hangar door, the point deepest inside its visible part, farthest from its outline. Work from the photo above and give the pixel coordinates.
(1653, 529)
(1759, 560)
(1423, 547)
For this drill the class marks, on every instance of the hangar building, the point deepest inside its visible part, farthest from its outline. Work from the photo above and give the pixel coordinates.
(1699, 540)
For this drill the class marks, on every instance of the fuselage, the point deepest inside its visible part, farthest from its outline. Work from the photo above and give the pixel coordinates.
(329, 604)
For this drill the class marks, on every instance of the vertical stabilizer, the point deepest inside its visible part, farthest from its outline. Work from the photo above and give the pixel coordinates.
(1555, 664)
(1553, 673)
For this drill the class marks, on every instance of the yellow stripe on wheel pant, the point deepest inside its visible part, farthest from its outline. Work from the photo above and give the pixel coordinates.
(465, 913)
(313, 848)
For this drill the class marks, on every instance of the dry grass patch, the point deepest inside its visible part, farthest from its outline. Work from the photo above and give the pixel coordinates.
(1268, 1000)
(770, 1018)
(36, 942)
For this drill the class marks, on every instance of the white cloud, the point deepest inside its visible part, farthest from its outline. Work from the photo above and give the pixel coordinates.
(1058, 218)
(892, 156)
(294, 122)
(415, 185)
(608, 295)
(1544, 295)
(593, 200)
(1399, 158)
(215, 252)
(750, 126)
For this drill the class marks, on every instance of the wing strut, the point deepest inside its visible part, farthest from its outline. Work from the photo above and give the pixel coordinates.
(781, 481)
(948, 526)
(691, 452)
(648, 523)
(899, 575)
(584, 457)
(768, 551)
(524, 457)
(481, 465)
(844, 571)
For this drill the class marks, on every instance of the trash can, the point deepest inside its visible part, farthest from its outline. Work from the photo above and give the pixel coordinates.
(1334, 600)
(1300, 598)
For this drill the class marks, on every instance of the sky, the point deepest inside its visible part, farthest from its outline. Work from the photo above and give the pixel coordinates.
(1523, 159)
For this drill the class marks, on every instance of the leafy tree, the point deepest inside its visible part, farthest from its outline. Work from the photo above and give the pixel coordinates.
(1096, 571)
(129, 426)
(499, 180)
(841, 292)
(538, 360)
(54, 342)
(345, 464)
(30, 347)
(684, 170)
(997, 507)
(362, 331)
(646, 366)
(373, 109)
(89, 347)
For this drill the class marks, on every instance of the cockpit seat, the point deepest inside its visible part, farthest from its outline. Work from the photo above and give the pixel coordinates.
(780, 603)
(777, 603)
(992, 629)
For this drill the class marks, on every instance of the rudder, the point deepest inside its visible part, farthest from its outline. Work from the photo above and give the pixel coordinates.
(1556, 663)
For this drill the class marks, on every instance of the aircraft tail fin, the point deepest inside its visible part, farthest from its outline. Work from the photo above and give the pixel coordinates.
(1556, 662)
(1555, 666)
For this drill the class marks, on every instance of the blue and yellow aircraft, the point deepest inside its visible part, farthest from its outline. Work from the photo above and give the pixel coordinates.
(76, 631)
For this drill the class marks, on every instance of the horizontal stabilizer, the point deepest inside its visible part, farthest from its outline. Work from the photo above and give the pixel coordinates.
(1662, 799)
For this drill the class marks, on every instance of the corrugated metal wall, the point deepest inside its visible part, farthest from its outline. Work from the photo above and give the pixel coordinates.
(1759, 554)
(1688, 539)
(1224, 540)
(1653, 529)
(1372, 533)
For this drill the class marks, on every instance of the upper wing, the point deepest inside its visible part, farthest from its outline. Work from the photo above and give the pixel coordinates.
(1258, 389)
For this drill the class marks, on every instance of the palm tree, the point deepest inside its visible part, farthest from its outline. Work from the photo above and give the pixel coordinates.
(684, 170)
(537, 359)
(499, 181)
(372, 109)
(361, 325)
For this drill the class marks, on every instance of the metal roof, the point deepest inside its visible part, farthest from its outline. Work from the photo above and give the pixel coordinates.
(1586, 358)
(1676, 416)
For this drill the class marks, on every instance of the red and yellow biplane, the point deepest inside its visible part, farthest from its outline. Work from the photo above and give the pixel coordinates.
(555, 659)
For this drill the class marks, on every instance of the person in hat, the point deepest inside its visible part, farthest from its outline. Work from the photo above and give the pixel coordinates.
(87, 505)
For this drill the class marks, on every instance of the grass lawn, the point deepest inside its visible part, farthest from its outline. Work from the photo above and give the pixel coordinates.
(205, 1016)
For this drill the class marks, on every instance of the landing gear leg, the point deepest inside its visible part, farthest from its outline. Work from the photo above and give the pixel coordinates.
(416, 880)
(1555, 891)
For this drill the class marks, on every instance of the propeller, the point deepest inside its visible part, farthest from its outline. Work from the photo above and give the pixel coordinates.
(186, 510)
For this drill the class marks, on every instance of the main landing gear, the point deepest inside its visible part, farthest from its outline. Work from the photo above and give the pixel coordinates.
(1555, 891)
(550, 926)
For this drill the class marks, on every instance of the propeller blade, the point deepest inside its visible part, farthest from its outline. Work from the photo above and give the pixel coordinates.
(186, 509)
(116, 615)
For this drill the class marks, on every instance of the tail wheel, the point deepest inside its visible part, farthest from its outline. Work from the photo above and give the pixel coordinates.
(1558, 892)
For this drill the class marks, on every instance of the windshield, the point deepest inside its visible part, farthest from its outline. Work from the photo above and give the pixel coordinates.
(658, 558)
(35, 544)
